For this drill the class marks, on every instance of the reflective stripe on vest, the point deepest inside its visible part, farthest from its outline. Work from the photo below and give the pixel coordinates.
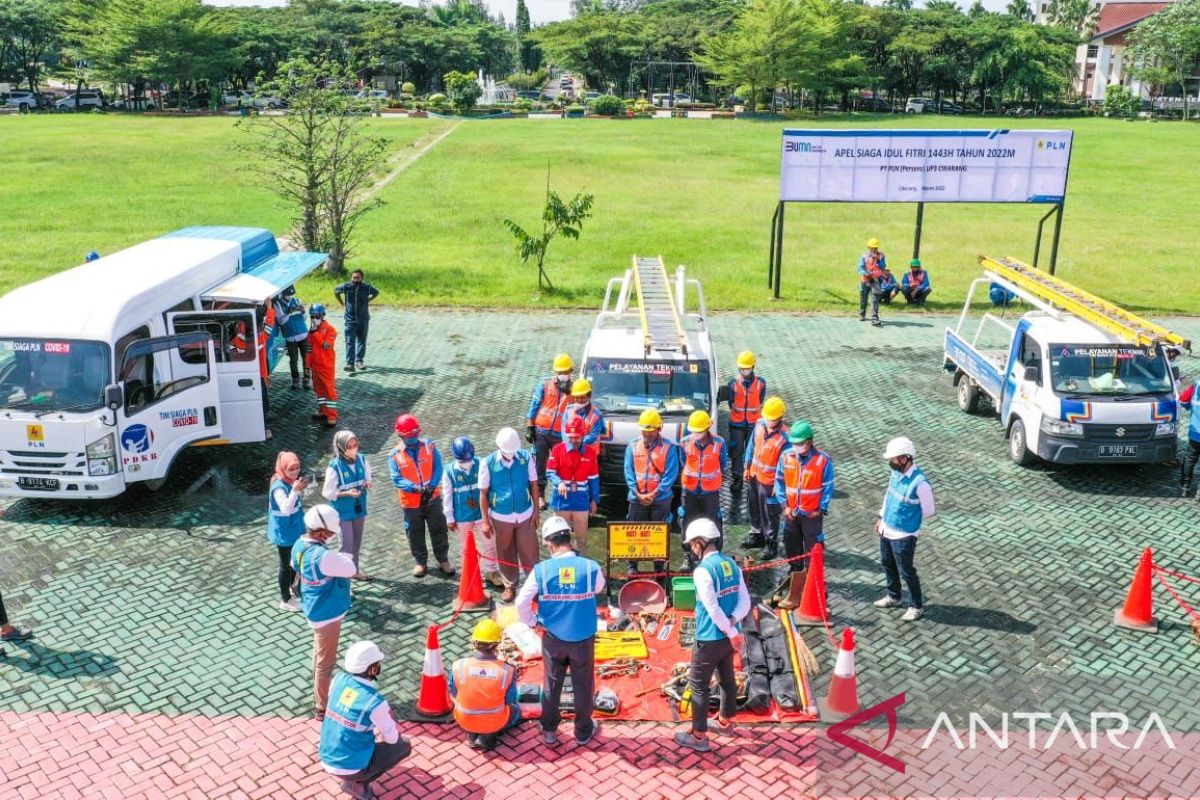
(481, 686)
(767, 452)
(549, 414)
(901, 506)
(803, 480)
(419, 472)
(589, 420)
(702, 466)
(465, 486)
(347, 734)
(350, 476)
(649, 466)
(746, 406)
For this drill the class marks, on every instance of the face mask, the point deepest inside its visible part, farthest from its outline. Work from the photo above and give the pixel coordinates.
(563, 382)
(804, 448)
(411, 440)
(314, 323)
(897, 466)
(575, 442)
(465, 465)
(746, 373)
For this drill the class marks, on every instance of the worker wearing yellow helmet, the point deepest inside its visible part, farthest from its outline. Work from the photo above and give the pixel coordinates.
(484, 689)
(581, 406)
(871, 267)
(762, 460)
(651, 469)
(705, 458)
(546, 409)
(745, 395)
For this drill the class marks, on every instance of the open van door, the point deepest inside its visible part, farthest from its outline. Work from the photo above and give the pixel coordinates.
(168, 400)
(234, 335)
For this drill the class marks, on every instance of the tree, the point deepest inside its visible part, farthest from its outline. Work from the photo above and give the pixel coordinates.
(528, 56)
(462, 89)
(557, 218)
(1168, 42)
(599, 44)
(1019, 9)
(1080, 16)
(317, 158)
(898, 5)
(31, 31)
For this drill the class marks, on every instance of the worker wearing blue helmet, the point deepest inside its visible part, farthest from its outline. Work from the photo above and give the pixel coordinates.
(460, 502)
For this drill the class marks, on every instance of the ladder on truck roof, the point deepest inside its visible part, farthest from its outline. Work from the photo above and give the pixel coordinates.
(661, 328)
(1086, 306)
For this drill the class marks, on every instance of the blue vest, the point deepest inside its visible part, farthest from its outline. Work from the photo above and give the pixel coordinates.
(347, 734)
(350, 476)
(508, 487)
(901, 508)
(567, 596)
(321, 597)
(1194, 421)
(294, 326)
(726, 578)
(283, 529)
(465, 486)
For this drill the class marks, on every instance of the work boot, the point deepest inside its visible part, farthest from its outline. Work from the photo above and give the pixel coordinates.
(1185, 489)
(295, 384)
(795, 592)
(318, 415)
(771, 551)
(349, 368)
(754, 541)
(876, 322)
(359, 791)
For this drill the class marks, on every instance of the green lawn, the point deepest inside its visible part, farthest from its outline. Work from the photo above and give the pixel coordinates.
(699, 193)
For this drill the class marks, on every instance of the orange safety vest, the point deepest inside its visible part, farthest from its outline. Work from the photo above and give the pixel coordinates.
(480, 687)
(702, 468)
(874, 272)
(747, 404)
(766, 453)
(549, 414)
(915, 279)
(649, 465)
(803, 481)
(419, 472)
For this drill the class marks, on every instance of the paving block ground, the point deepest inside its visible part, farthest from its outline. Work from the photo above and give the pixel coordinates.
(156, 613)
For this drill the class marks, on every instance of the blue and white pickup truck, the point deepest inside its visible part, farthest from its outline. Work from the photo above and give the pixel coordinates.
(1075, 380)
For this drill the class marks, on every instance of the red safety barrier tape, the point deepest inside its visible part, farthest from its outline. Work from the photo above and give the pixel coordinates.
(1182, 603)
(1175, 574)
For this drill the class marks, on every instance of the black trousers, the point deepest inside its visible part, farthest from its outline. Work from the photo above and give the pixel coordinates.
(3, 613)
(543, 443)
(286, 575)
(768, 512)
(559, 658)
(738, 439)
(659, 511)
(383, 758)
(868, 290)
(799, 537)
(298, 359)
(1189, 463)
(429, 516)
(706, 658)
(916, 296)
(696, 506)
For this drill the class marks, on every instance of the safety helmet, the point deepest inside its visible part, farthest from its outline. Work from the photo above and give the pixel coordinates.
(606, 702)
(872, 242)
(701, 528)
(576, 427)
(486, 631)
(650, 420)
(554, 526)
(508, 440)
(801, 431)
(407, 425)
(581, 387)
(563, 363)
(360, 656)
(463, 449)
(774, 409)
(317, 310)
(91, 256)
(322, 518)
(699, 421)
(916, 262)
(746, 360)
(900, 446)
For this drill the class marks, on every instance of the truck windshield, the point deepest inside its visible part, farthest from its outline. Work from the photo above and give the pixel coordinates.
(1119, 370)
(52, 374)
(674, 388)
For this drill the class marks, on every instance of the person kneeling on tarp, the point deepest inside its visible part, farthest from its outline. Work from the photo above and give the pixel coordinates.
(357, 709)
(484, 690)
(722, 601)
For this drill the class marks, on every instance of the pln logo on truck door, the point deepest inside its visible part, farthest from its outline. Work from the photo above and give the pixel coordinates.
(35, 436)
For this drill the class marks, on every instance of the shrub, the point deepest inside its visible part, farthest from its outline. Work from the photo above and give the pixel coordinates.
(436, 100)
(524, 81)
(522, 105)
(463, 90)
(575, 108)
(608, 105)
(408, 88)
(1120, 102)
(642, 106)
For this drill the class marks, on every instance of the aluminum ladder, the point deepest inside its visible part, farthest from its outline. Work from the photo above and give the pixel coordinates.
(661, 328)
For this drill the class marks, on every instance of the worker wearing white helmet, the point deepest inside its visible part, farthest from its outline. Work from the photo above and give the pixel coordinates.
(722, 601)
(324, 593)
(348, 748)
(906, 505)
(509, 500)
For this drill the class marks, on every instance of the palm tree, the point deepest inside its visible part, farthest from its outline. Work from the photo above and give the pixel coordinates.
(1081, 16)
(898, 5)
(1020, 9)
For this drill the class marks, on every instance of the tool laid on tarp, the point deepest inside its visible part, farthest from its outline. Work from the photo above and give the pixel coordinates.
(621, 666)
(687, 632)
(620, 644)
(668, 625)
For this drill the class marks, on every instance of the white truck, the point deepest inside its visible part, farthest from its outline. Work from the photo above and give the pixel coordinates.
(1075, 379)
(108, 371)
(649, 350)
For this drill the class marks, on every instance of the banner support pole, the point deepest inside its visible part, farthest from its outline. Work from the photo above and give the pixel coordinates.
(1057, 230)
(917, 234)
(779, 250)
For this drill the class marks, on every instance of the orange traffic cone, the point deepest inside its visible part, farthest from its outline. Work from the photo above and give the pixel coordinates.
(433, 700)
(1138, 613)
(471, 596)
(842, 700)
(813, 610)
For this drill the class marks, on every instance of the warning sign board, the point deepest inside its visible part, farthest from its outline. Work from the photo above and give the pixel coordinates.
(635, 541)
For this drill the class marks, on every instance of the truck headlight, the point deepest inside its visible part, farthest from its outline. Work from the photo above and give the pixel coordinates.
(102, 456)
(1164, 429)
(1056, 427)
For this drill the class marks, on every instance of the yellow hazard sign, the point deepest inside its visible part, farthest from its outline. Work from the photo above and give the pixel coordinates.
(35, 433)
(638, 540)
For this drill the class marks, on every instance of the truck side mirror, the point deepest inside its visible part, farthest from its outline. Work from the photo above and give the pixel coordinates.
(1033, 373)
(113, 396)
(723, 393)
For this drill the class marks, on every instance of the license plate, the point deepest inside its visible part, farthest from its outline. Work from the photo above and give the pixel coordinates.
(38, 484)
(1117, 450)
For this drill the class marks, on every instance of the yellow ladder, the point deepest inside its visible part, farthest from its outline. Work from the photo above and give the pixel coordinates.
(661, 328)
(1084, 305)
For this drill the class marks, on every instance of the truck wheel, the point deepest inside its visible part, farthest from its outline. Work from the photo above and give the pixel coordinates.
(1018, 448)
(968, 395)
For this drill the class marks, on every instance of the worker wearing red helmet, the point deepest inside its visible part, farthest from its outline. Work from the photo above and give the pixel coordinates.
(416, 470)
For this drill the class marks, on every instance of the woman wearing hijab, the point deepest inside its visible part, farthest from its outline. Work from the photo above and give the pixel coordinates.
(346, 483)
(285, 521)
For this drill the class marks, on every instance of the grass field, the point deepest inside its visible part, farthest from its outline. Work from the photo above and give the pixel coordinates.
(700, 193)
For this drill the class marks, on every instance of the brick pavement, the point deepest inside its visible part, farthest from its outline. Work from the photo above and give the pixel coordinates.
(160, 607)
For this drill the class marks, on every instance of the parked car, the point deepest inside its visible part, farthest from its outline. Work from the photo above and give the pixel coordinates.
(923, 105)
(23, 101)
(875, 105)
(184, 100)
(665, 100)
(135, 104)
(590, 96)
(947, 107)
(378, 95)
(245, 99)
(87, 98)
